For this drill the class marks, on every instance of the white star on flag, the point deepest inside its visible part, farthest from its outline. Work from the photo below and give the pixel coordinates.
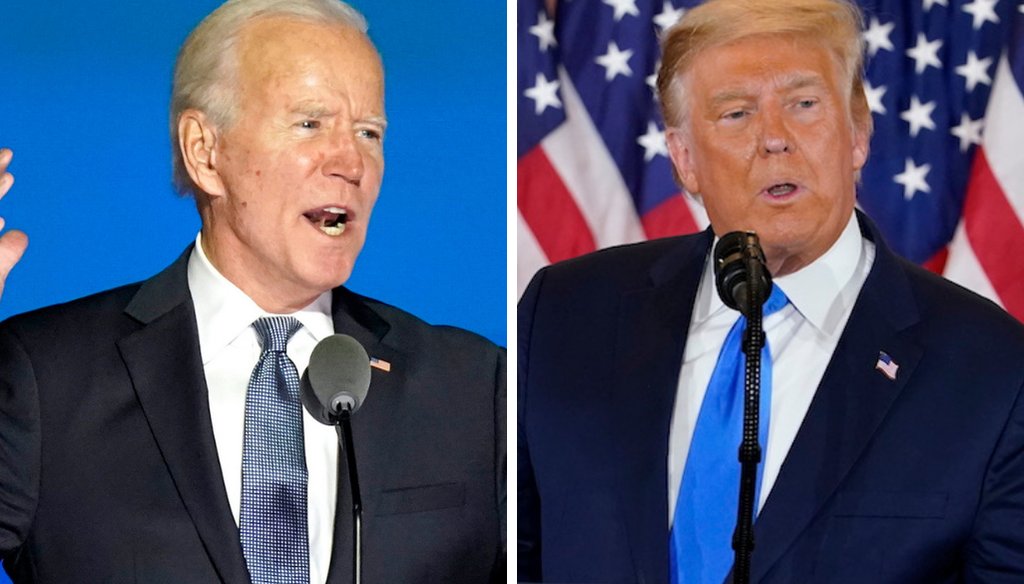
(929, 3)
(982, 11)
(544, 94)
(975, 70)
(877, 36)
(615, 62)
(874, 95)
(652, 81)
(544, 30)
(668, 15)
(918, 115)
(623, 7)
(653, 142)
(913, 179)
(969, 131)
(925, 53)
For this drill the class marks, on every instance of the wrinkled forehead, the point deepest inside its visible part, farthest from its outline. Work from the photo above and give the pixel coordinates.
(276, 45)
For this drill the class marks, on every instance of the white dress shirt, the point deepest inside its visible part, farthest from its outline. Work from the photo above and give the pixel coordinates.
(801, 337)
(230, 350)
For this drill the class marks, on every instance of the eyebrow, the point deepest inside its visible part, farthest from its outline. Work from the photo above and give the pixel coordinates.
(317, 110)
(790, 82)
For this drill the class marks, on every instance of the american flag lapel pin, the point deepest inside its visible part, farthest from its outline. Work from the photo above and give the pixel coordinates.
(886, 365)
(381, 364)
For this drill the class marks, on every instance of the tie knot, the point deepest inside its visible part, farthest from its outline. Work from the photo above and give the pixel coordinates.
(776, 300)
(274, 331)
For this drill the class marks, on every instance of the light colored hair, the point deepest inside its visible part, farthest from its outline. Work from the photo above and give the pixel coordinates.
(836, 24)
(205, 75)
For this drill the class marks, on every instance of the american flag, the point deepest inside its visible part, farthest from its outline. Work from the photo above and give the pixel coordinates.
(944, 180)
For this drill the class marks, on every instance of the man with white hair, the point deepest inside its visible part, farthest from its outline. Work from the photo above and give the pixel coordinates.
(894, 433)
(153, 433)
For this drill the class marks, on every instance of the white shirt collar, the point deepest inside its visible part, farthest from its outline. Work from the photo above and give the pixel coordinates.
(816, 291)
(224, 312)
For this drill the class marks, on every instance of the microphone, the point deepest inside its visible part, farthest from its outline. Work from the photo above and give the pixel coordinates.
(334, 385)
(739, 268)
(337, 379)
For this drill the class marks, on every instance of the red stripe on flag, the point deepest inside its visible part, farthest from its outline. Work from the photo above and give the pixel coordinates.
(938, 261)
(672, 217)
(549, 209)
(994, 231)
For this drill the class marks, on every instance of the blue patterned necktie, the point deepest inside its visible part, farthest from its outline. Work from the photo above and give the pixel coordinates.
(700, 541)
(275, 539)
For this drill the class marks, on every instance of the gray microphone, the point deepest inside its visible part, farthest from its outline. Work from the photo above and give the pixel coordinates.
(337, 379)
(333, 387)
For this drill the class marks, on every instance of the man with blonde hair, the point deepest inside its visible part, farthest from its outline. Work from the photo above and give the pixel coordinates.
(154, 433)
(892, 448)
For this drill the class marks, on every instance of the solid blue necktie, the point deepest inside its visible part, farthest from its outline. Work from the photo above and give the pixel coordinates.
(275, 539)
(700, 541)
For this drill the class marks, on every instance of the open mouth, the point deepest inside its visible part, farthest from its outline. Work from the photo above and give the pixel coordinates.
(329, 220)
(781, 189)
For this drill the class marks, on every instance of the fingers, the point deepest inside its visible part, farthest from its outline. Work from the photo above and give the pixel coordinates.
(6, 178)
(12, 246)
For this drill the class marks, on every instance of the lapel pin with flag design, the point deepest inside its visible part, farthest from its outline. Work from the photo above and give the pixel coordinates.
(381, 364)
(886, 365)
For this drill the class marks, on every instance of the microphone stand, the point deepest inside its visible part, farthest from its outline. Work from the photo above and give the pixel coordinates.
(344, 429)
(750, 450)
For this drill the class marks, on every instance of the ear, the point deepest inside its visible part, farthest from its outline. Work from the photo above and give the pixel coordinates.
(197, 139)
(679, 149)
(861, 142)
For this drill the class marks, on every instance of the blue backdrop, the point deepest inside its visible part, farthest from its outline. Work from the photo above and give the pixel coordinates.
(84, 91)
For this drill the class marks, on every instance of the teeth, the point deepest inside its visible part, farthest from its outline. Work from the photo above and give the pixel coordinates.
(333, 231)
(335, 210)
(783, 189)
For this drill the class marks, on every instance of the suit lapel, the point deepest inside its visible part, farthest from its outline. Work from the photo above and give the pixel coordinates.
(651, 335)
(166, 369)
(373, 421)
(848, 406)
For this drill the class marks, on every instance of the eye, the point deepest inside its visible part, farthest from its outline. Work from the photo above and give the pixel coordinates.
(310, 124)
(807, 103)
(375, 135)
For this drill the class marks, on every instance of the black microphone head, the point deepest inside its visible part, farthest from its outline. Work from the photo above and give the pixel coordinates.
(337, 379)
(735, 253)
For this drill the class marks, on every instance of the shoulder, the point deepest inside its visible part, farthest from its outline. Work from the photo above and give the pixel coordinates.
(95, 316)
(946, 307)
(616, 269)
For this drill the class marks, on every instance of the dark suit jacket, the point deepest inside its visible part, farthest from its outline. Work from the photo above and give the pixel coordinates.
(920, 479)
(109, 470)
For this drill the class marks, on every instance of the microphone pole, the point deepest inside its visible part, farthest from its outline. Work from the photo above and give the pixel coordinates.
(332, 388)
(743, 282)
(344, 429)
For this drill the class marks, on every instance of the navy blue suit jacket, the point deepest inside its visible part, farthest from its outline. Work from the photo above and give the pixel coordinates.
(920, 479)
(109, 470)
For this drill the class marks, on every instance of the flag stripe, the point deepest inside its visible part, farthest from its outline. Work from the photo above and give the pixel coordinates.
(1002, 141)
(549, 208)
(669, 218)
(994, 230)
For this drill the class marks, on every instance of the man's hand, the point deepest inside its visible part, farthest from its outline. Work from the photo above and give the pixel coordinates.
(12, 243)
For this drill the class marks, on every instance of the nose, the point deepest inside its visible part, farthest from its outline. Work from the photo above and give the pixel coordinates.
(775, 136)
(343, 159)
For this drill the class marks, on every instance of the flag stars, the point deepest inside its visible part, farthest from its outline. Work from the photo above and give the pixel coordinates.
(668, 16)
(982, 11)
(544, 30)
(623, 7)
(925, 53)
(875, 95)
(929, 3)
(877, 36)
(918, 115)
(975, 70)
(615, 62)
(653, 142)
(544, 94)
(969, 131)
(913, 179)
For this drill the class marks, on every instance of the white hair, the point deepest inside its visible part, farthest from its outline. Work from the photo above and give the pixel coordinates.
(205, 75)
